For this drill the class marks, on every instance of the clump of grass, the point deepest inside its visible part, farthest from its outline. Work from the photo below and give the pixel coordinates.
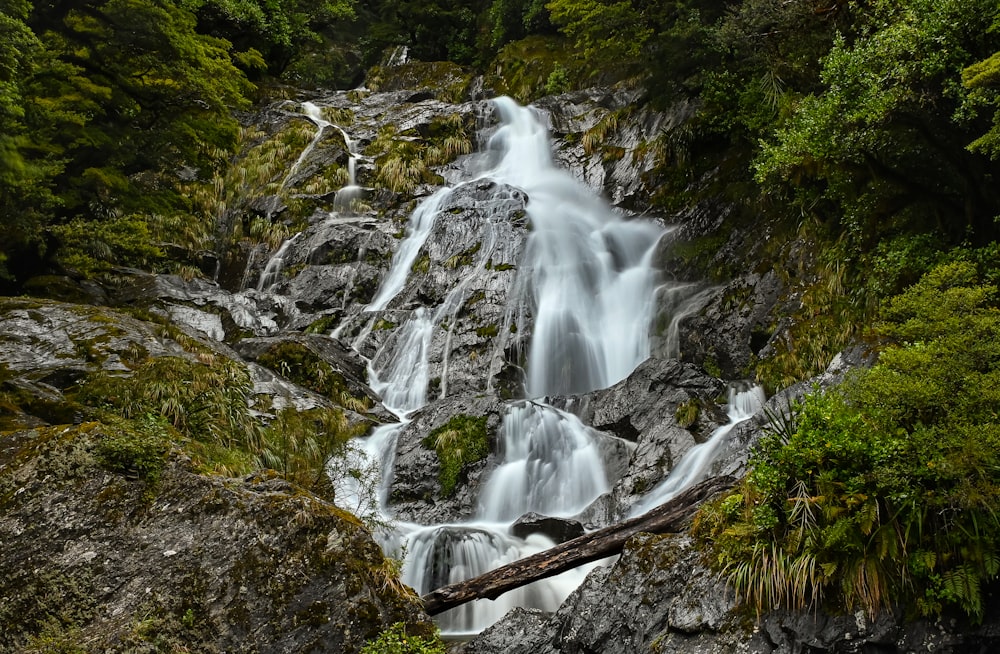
(459, 442)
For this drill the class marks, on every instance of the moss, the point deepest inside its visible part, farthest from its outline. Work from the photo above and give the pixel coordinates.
(712, 366)
(323, 325)
(444, 80)
(461, 441)
(535, 66)
(464, 258)
(421, 265)
(489, 331)
(301, 365)
(383, 324)
(46, 608)
(475, 298)
(686, 413)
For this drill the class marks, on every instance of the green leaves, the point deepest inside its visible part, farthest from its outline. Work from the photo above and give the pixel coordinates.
(886, 488)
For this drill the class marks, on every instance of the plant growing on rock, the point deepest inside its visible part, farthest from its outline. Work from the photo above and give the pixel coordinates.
(883, 490)
(300, 445)
(395, 640)
(460, 441)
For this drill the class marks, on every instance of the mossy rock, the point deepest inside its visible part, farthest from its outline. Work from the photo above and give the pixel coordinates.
(461, 441)
(442, 80)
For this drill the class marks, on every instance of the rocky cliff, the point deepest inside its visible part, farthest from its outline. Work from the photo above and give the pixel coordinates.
(117, 539)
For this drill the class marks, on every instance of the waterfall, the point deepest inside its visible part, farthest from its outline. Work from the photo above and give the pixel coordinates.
(586, 284)
(744, 401)
(275, 265)
(418, 229)
(270, 275)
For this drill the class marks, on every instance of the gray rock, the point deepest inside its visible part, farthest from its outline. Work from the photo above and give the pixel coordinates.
(94, 555)
(660, 597)
(415, 492)
(559, 530)
(643, 408)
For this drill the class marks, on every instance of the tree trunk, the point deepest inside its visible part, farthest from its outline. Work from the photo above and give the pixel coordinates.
(668, 517)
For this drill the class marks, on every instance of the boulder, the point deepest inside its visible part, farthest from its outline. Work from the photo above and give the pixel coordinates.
(559, 530)
(96, 553)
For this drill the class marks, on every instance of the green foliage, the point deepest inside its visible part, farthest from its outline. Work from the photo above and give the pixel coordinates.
(297, 363)
(301, 445)
(433, 30)
(460, 441)
(856, 143)
(277, 29)
(404, 160)
(982, 79)
(395, 640)
(137, 448)
(96, 246)
(524, 69)
(511, 20)
(603, 30)
(206, 400)
(884, 489)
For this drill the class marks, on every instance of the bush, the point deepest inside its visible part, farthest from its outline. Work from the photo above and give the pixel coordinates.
(395, 641)
(887, 488)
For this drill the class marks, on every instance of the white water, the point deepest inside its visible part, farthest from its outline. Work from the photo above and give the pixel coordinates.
(586, 284)
(696, 464)
(270, 275)
(418, 229)
(275, 265)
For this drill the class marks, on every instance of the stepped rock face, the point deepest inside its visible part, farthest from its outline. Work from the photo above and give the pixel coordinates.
(96, 551)
(644, 408)
(659, 597)
(206, 563)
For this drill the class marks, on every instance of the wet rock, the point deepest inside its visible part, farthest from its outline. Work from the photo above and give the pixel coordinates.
(664, 407)
(205, 306)
(301, 357)
(660, 597)
(96, 555)
(463, 277)
(415, 493)
(559, 530)
(736, 325)
(609, 139)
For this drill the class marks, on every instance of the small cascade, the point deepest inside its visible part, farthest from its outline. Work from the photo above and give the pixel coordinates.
(744, 401)
(316, 116)
(444, 554)
(371, 457)
(399, 373)
(551, 465)
(417, 230)
(680, 302)
(275, 265)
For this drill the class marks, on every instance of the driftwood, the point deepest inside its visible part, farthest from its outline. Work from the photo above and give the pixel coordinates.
(668, 517)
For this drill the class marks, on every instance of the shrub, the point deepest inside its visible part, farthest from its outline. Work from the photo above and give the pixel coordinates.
(886, 488)
(394, 640)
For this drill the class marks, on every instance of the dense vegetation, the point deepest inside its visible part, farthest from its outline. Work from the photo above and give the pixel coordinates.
(868, 130)
(884, 490)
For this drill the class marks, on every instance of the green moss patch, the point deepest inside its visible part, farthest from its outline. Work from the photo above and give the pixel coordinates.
(461, 441)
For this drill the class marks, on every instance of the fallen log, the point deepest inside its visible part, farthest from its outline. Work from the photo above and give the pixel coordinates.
(668, 517)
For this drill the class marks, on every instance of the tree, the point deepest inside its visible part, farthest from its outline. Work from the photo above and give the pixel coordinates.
(883, 491)
(24, 179)
(880, 148)
(118, 96)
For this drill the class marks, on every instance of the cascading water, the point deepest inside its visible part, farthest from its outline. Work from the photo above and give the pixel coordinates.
(270, 274)
(744, 401)
(586, 285)
(275, 265)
